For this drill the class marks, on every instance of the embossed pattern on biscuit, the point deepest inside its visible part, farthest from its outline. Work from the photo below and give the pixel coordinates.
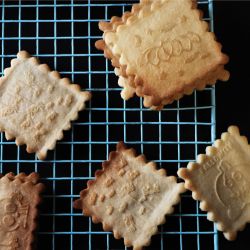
(128, 192)
(19, 198)
(172, 54)
(220, 179)
(36, 105)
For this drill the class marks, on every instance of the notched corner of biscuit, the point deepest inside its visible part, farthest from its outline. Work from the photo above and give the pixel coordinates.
(23, 54)
(141, 159)
(9, 135)
(60, 135)
(195, 194)
(74, 87)
(233, 130)
(225, 136)
(231, 236)
(100, 44)
(192, 166)
(105, 26)
(77, 204)
(182, 188)
(152, 166)
(7, 71)
(182, 173)
(64, 81)
(120, 146)
(204, 206)
(19, 141)
(201, 158)
(218, 143)
(87, 95)
(127, 91)
(34, 61)
(55, 74)
(211, 150)
(225, 74)
(41, 155)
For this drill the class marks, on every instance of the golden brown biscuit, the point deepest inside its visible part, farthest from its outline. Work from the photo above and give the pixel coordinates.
(162, 53)
(130, 197)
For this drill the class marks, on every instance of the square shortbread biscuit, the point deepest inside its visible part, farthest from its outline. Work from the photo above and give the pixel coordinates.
(130, 197)
(220, 179)
(36, 105)
(165, 50)
(19, 198)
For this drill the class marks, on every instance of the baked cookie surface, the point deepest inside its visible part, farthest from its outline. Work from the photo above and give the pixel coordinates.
(163, 50)
(130, 197)
(19, 198)
(220, 179)
(36, 105)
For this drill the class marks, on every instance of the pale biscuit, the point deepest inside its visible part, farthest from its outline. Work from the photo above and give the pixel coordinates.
(36, 105)
(19, 198)
(171, 53)
(220, 179)
(130, 197)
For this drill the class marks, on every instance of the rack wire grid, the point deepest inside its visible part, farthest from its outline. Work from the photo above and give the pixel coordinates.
(62, 34)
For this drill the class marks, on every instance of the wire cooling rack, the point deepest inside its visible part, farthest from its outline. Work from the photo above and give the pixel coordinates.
(62, 34)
